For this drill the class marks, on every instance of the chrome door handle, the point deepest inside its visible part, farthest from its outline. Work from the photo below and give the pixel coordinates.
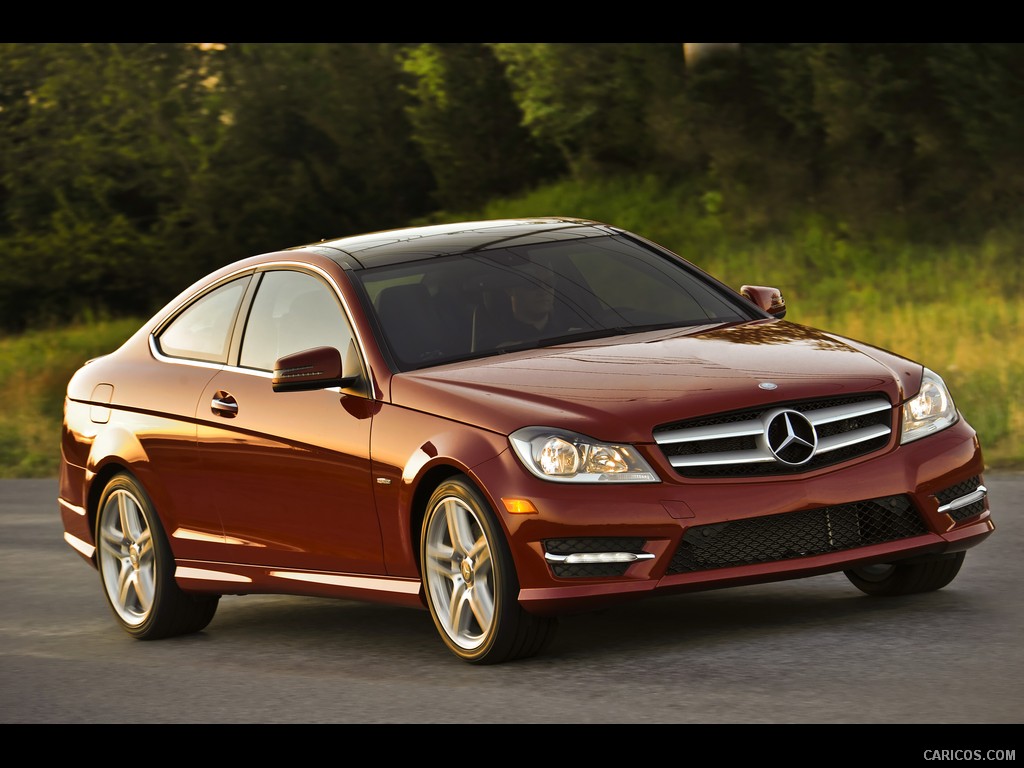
(224, 404)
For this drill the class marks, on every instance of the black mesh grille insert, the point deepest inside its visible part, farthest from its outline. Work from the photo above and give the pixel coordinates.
(594, 544)
(970, 485)
(797, 534)
(971, 510)
(588, 570)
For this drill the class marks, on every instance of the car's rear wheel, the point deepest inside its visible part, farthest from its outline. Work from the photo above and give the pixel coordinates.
(137, 569)
(470, 580)
(890, 579)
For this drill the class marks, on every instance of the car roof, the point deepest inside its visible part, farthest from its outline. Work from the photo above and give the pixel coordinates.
(396, 246)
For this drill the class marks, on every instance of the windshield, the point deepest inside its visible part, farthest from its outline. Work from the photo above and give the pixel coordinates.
(439, 310)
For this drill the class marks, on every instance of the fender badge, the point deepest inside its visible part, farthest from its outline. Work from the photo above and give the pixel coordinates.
(767, 385)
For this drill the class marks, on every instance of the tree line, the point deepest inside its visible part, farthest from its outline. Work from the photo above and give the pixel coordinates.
(127, 170)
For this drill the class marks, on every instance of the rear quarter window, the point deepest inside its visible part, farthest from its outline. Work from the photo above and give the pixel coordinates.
(202, 331)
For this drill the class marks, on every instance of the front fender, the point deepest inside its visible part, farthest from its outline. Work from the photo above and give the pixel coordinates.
(410, 451)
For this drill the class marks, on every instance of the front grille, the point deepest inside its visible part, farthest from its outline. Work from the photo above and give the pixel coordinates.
(632, 544)
(971, 510)
(797, 534)
(736, 444)
(957, 491)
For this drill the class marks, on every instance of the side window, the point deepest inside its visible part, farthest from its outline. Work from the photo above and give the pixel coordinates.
(292, 311)
(203, 330)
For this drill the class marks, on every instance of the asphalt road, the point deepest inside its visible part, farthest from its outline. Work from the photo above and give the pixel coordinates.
(809, 651)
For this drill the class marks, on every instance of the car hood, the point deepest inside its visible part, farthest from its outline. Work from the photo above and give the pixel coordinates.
(620, 388)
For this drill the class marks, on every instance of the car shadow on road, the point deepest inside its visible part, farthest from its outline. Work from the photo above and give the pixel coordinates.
(720, 620)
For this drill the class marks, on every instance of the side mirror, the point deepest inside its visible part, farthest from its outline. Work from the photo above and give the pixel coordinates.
(766, 298)
(317, 368)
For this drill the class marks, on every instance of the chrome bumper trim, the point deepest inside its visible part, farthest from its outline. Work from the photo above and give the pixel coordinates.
(977, 495)
(597, 557)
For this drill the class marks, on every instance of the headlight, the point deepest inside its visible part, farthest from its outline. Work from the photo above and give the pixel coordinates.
(929, 411)
(568, 457)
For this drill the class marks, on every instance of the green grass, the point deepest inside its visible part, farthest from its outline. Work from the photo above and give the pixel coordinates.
(34, 372)
(955, 307)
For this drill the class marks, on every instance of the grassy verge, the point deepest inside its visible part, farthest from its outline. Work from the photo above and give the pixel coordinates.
(34, 372)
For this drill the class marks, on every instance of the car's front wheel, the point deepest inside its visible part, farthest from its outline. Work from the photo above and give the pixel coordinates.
(137, 569)
(470, 580)
(891, 579)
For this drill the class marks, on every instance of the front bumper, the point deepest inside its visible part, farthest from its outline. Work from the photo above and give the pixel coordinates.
(592, 545)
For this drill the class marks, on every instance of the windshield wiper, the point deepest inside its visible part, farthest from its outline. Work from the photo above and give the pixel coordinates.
(597, 333)
(565, 338)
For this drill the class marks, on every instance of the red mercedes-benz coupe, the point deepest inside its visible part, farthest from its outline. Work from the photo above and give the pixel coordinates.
(501, 421)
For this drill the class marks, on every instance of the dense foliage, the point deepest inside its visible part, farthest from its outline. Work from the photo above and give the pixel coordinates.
(129, 169)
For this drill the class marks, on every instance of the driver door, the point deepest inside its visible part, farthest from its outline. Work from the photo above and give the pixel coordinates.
(289, 472)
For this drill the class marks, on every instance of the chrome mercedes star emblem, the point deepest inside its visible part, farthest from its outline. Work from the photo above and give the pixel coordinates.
(790, 436)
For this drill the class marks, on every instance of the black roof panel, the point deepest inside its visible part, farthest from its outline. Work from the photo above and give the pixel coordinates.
(414, 243)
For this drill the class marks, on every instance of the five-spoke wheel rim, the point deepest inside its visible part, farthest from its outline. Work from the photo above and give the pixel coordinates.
(127, 557)
(460, 573)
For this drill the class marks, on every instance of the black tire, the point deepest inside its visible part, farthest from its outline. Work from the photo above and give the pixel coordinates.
(892, 579)
(470, 581)
(137, 568)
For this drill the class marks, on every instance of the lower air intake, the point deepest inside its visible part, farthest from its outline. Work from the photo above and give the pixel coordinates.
(797, 534)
